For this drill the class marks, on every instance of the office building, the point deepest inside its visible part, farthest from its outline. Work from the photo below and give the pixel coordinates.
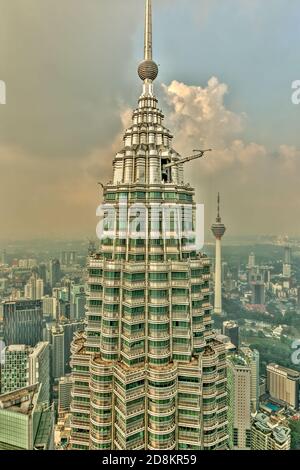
(34, 289)
(27, 263)
(25, 423)
(54, 272)
(42, 272)
(39, 369)
(258, 293)
(77, 302)
(24, 366)
(225, 271)
(232, 330)
(283, 384)
(68, 258)
(64, 394)
(56, 337)
(251, 260)
(49, 306)
(22, 322)
(239, 400)
(252, 356)
(69, 328)
(148, 371)
(287, 262)
(14, 369)
(3, 258)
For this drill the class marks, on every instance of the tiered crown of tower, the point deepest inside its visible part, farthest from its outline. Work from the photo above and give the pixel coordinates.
(147, 142)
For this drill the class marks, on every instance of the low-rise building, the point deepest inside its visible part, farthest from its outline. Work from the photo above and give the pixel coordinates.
(268, 434)
(283, 384)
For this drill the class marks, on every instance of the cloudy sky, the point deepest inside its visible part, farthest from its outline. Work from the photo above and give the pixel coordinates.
(226, 70)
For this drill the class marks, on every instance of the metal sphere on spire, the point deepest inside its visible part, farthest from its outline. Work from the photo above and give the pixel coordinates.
(148, 69)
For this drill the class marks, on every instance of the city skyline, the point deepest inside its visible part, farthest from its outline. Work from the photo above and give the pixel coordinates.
(67, 101)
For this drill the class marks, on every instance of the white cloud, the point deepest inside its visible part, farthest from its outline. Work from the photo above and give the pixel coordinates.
(259, 186)
(198, 115)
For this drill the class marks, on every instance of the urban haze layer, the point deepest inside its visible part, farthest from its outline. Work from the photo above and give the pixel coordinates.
(141, 340)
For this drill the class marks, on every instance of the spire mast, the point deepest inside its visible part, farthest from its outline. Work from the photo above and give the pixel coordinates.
(148, 31)
(148, 69)
(218, 214)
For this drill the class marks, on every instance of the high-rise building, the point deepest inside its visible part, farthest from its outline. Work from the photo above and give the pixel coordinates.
(14, 368)
(258, 293)
(268, 434)
(91, 248)
(34, 289)
(69, 328)
(54, 272)
(60, 334)
(148, 372)
(57, 341)
(77, 302)
(49, 306)
(64, 394)
(68, 258)
(39, 369)
(252, 356)
(218, 229)
(42, 272)
(251, 260)
(27, 263)
(298, 296)
(283, 384)
(239, 400)
(232, 330)
(22, 322)
(252, 274)
(287, 262)
(3, 257)
(23, 366)
(225, 270)
(25, 423)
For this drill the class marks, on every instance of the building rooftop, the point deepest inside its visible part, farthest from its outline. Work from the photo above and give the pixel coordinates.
(17, 348)
(238, 360)
(291, 372)
(20, 401)
(268, 425)
(230, 324)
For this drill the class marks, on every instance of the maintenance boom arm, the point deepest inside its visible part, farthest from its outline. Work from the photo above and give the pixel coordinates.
(199, 154)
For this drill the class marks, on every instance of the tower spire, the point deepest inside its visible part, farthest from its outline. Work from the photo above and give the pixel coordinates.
(148, 69)
(148, 31)
(218, 229)
(218, 213)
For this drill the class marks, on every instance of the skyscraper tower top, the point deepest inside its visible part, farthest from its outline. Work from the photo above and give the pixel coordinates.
(218, 229)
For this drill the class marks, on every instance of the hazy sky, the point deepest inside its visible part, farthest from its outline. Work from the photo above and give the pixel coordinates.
(226, 69)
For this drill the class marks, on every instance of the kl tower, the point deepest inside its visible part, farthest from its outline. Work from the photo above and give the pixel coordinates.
(218, 229)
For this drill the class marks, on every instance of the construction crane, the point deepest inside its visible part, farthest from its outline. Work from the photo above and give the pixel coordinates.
(197, 154)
